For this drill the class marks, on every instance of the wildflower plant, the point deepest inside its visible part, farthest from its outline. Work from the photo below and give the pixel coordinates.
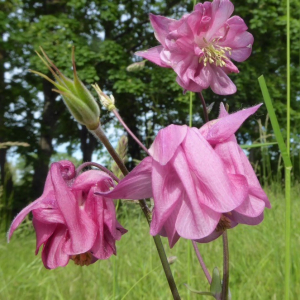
(201, 182)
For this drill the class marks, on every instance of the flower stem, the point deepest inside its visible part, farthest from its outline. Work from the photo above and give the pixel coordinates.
(201, 261)
(93, 164)
(206, 119)
(191, 110)
(129, 131)
(225, 267)
(143, 204)
(166, 266)
(98, 133)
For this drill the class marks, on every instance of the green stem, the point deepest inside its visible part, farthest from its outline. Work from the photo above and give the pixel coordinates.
(288, 77)
(98, 133)
(225, 267)
(287, 232)
(166, 266)
(206, 119)
(189, 269)
(288, 170)
(191, 109)
(114, 278)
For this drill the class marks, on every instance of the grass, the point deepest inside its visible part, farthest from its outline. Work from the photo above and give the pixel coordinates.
(256, 263)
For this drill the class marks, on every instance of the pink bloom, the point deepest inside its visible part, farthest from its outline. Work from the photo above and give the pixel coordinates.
(220, 134)
(70, 220)
(189, 183)
(199, 46)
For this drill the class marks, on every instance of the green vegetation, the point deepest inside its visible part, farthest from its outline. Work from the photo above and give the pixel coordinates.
(257, 263)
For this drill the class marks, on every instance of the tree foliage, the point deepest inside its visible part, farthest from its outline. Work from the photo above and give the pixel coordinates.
(106, 33)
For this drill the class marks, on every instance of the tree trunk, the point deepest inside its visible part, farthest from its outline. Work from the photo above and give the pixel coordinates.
(45, 150)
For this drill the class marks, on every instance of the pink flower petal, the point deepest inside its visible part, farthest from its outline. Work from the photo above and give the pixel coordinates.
(167, 142)
(221, 10)
(252, 207)
(221, 84)
(167, 192)
(82, 230)
(169, 228)
(136, 185)
(194, 220)
(48, 215)
(43, 232)
(242, 219)
(219, 130)
(214, 187)
(91, 178)
(160, 25)
(53, 255)
(153, 54)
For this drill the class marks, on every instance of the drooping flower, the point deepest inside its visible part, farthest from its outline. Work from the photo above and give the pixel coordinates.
(201, 181)
(199, 47)
(220, 134)
(70, 220)
(189, 183)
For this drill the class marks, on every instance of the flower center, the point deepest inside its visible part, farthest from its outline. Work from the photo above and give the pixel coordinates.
(223, 224)
(82, 259)
(214, 54)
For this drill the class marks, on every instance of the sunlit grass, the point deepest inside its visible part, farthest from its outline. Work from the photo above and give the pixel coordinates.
(256, 262)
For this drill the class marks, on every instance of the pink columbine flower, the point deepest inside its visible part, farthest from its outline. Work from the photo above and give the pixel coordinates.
(189, 183)
(199, 47)
(70, 220)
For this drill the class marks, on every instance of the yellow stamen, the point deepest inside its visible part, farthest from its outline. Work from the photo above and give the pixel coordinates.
(214, 54)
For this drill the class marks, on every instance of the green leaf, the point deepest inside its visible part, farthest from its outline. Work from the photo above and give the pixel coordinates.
(216, 285)
(274, 122)
(198, 292)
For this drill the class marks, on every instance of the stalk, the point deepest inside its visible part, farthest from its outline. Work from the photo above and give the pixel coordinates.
(98, 133)
(206, 119)
(288, 171)
(201, 261)
(225, 266)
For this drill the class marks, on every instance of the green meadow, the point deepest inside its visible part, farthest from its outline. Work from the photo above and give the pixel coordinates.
(256, 263)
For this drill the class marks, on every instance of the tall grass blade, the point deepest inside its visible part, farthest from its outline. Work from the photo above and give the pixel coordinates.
(256, 145)
(274, 122)
(288, 166)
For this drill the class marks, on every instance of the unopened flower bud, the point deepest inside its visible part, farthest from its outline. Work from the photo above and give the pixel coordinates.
(135, 67)
(76, 96)
(107, 102)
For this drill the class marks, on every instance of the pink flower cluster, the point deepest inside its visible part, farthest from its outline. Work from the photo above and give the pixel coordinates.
(199, 46)
(70, 220)
(201, 181)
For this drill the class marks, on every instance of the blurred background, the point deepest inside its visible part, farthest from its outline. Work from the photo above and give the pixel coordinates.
(36, 128)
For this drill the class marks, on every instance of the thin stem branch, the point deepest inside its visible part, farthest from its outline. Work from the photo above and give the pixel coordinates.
(201, 261)
(288, 171)
(191, 110)
(287, 233)
(143, 204)
(206, 119)
(166, 266)
(129, 131)
(98, 133)
(225, 267)
(93, 164)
